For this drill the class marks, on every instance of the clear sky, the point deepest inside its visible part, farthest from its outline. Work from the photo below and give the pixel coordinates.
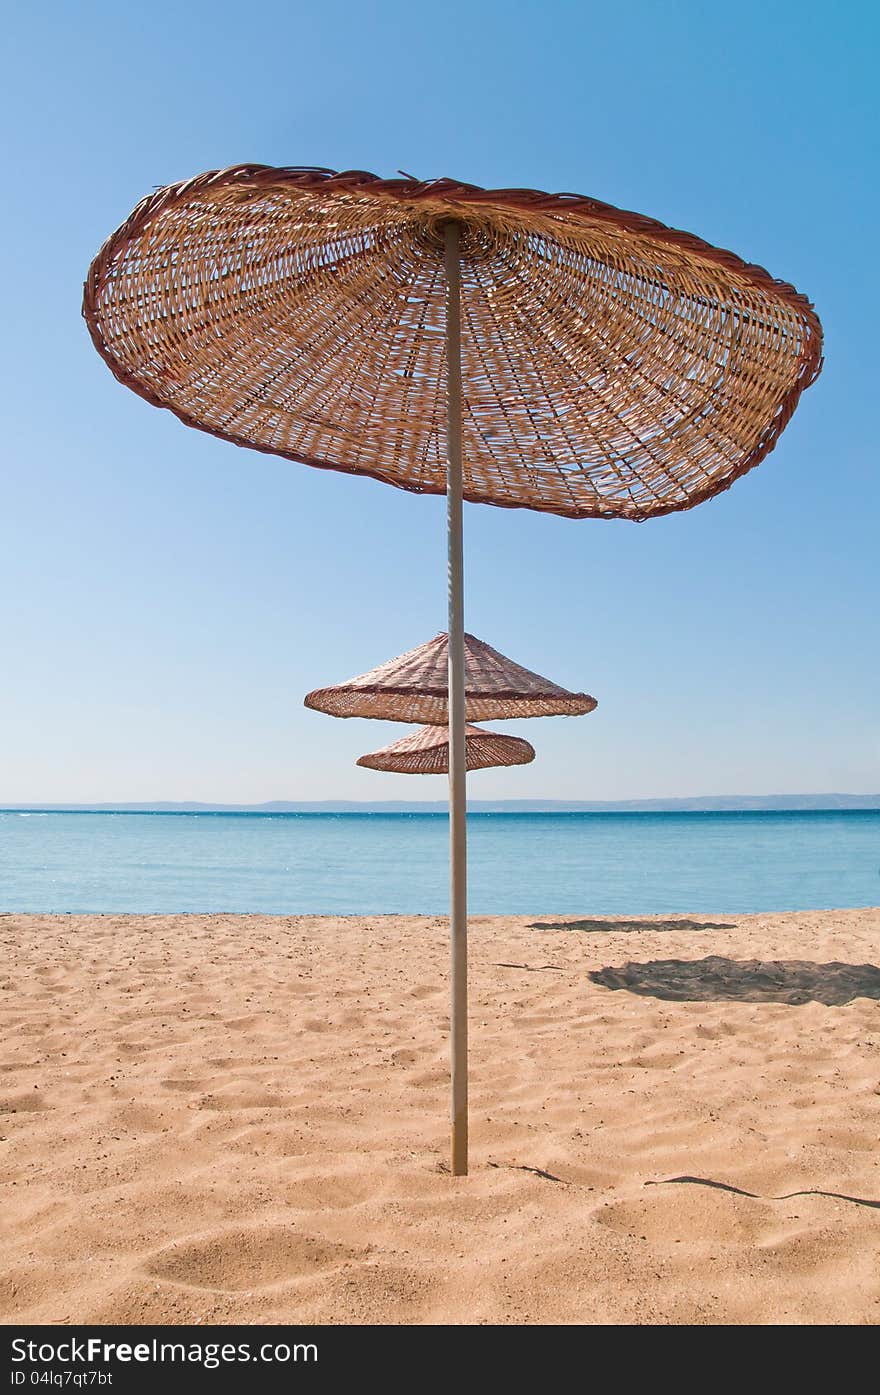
(168, 599)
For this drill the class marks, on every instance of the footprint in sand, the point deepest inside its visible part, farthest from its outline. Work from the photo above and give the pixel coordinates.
(28, 1102)
(259, 1140)
(431, 1077)
(140, 1118)
(243, 1100)
(246, 1259)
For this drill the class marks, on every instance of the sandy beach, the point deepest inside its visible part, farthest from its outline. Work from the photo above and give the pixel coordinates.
(244, 1118)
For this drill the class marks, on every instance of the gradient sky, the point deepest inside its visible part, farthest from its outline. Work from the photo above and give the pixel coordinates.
(170, 598)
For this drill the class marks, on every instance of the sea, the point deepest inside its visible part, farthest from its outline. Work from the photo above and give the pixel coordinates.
(370, 863)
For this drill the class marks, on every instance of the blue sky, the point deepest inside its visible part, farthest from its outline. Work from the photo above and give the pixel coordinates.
(170, 598)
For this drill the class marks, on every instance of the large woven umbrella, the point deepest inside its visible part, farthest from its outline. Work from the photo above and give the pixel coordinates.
(426, 752)
(613, 367)
(414, 688)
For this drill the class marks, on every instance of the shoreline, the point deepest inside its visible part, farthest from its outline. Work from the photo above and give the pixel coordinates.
(224, 1118)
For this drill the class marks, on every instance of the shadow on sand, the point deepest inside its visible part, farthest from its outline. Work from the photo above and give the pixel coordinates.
(792, 981)
(630, 926)
(756, 1196)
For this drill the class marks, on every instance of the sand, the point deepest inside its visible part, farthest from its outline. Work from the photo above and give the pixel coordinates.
(243, 1119)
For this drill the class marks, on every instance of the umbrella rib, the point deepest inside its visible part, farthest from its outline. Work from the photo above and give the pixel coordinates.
(595, 332)
(238, 346)
(558, 351)
(425, 305)
(364, 287)
(720, 339)
(594, 340)
(534, 476)
(613, 463)
(729, 448)
(563, 427)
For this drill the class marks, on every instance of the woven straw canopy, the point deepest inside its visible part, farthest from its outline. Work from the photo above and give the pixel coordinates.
(426, 752)
(413, 688)
(612, 367)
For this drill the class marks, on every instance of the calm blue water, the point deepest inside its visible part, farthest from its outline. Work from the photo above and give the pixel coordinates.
(602, 864)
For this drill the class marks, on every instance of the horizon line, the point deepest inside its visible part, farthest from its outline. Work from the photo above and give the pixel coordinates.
(828, 801)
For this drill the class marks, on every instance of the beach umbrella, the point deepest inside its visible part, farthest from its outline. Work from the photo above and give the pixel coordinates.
(413, 688)
(426, 752)
(613, 367)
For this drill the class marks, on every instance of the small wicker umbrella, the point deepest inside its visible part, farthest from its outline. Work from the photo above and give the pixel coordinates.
(614, 367)
(413, 688)
(426, 752)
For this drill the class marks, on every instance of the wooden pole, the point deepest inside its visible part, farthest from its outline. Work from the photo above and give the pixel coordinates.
(457, 750)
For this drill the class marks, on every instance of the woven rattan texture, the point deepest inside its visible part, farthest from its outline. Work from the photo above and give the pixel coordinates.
(612, 367)
(413, 688)
(426, 752)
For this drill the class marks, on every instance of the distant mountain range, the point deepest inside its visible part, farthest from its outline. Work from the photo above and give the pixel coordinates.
(713, 803)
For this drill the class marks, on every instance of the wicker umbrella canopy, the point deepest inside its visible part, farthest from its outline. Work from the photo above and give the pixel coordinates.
(413, 688)
(426, 752)
(612, 367)
(510, 347)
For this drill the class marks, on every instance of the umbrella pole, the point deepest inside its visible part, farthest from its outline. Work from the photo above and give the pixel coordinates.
(457, 750)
